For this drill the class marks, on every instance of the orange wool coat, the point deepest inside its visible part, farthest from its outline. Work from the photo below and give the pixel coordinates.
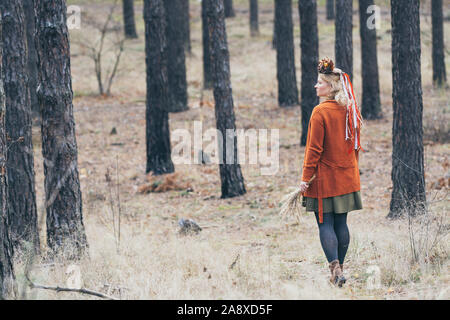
(327, 155)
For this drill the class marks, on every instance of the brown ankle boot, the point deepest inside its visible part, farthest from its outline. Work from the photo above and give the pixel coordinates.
(336, 273)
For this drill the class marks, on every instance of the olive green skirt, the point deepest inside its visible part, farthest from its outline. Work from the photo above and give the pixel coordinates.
(338, 204)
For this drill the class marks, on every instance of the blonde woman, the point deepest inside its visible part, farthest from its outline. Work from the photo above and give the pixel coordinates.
(331, 153)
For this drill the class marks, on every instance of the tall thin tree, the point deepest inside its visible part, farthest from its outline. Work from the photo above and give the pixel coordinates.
(187, 26)
(408, 193)
(371, 106)
(65, 229)
(343, 36)
(254, 26)
(128, 18)
(229, 10)
(207, 64)
(20, 164)
(330, 9)
(32, 57)
(231, 177)
(287, 80)
(439, 74)
(176, 63)
(274, 30)
(7, 278)
(309, 43)
(157, 117)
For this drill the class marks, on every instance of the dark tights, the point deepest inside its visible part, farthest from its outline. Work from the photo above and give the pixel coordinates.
(334, 235)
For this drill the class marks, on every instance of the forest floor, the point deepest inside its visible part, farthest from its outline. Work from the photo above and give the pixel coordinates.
(245, 250)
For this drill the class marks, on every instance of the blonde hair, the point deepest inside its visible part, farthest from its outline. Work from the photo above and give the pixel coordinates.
(337, 91)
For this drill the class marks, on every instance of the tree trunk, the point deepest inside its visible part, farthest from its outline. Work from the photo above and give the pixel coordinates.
(309, 58)
(157, 117)
(20, 164)
(176, 63)
(207, 64)
(128, 19)
(32, 57)
(287, 81)
(254, 28)
(439, 75)
(408, 193)
(371, 106)
(7, 279)
(343, 32)
(65, 229)
(229, 10)
(187, 26)
(330, 9)
(230, 170)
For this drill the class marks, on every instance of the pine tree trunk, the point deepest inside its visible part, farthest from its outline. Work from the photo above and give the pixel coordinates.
(20, 164)
(229, 10)
(230, 170)
(254, 28)
(65, 229)
(408, 193)
(176, 63)
(187, 26)
(371, 106)
(439, 75)
(287, 81)
(157, 117)
(330, 9)
(32, 57)
(343, 31)
(309, 45)
(7, 278)
(207, 64)
(128, 19)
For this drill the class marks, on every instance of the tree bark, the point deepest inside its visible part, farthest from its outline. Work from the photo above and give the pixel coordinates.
(187, 26)
(229, 10)
(274, 31)
(128, 19)
(330, 9)
(343, 32)
(287, 81)
(408, 193)
(371, 106)
(231, 177)
(20, 164)
(176, 63)
(65, 229)
(439, 74)
(207, 64)
(254, 27)
(7, 278)
(32, 57)
(309, 43)
(157, 117)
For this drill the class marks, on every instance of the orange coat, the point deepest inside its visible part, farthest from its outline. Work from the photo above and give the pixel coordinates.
(327, 155)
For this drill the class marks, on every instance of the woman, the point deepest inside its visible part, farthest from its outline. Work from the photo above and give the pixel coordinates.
(331, 154)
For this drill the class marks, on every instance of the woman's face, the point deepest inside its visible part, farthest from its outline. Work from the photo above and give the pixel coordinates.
(323, 88)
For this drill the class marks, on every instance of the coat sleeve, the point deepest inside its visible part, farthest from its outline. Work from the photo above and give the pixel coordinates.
(314, 145)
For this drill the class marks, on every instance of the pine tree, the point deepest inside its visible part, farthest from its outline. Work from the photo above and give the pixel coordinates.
(157, 119)
(343, 38)
(408, 193)
(128, 18)
(231, 177)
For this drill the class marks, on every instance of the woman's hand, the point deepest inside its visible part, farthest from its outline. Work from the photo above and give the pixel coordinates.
(304, 186)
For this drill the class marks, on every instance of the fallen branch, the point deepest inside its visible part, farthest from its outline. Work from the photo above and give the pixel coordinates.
(59, 289)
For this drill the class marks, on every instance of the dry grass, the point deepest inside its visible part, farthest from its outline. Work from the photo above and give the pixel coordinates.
(271, 258)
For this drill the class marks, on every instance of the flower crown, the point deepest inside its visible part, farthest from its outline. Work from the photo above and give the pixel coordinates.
(326, 66)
